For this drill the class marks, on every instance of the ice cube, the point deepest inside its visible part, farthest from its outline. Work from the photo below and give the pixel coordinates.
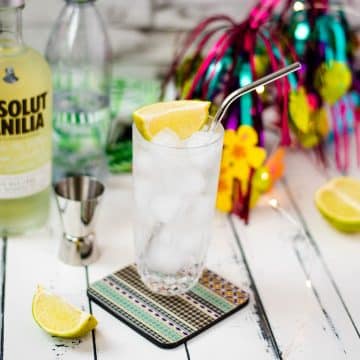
(142, 231)
(165, 206)
(164, 260)
(143, 162)
(206, 157)
(143, 192)
(200, 138)
(192, 243)
(201, 210)
(163, 255)
(166, 137)
(177, 182)
(192, 182)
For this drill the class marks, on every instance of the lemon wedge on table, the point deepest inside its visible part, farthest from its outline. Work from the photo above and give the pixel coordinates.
(59, 318)
(339, 202)
(184, 117)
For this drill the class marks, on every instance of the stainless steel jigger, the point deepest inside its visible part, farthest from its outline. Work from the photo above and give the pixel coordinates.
(78, 198)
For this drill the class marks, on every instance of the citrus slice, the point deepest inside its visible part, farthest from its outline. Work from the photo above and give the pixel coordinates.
(58, 318)
(184, 117)
(339, 202)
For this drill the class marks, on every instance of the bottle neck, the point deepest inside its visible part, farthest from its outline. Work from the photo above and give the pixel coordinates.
(10, 28)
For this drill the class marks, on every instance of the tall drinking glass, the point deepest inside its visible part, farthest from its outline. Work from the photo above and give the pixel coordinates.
(174, 195)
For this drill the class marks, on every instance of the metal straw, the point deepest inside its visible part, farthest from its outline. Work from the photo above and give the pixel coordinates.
(251, 87)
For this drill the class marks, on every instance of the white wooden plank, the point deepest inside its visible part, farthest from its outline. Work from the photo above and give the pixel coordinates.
(305, 321)
(115, 13)
(185, 14)
(113, 337)
(242, 335)
(121, 14)
(32, 260)
(339, 251)
(151, 48)
(130, 47)
(324, 288)
(158, 14)
(123, 41)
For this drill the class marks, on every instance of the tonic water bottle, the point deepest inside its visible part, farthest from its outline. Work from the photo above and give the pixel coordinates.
(79, 54)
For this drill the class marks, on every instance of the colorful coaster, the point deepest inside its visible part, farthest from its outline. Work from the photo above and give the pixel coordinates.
(167, 321)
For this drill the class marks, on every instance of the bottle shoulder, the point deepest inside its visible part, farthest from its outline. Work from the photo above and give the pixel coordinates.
(78, 36)
(23, 70)
(33, 52)
(36, 56)
(26, 56)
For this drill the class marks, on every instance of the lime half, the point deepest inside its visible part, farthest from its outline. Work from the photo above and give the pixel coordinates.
(339, 202)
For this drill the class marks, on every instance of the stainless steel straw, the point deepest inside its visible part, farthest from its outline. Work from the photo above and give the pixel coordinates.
(251, 87)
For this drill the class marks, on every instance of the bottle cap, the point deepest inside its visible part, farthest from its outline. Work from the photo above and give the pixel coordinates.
(11, 3)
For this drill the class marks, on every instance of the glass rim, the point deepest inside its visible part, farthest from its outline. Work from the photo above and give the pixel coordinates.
(150, 143)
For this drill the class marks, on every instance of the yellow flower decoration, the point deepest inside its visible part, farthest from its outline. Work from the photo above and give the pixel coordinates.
(225, 187)
(240, 155)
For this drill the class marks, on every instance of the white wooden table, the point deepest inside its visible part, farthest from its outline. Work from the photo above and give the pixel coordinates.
(305, 291)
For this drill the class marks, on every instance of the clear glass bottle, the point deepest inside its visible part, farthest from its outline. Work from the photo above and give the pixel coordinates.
(79, 54)
(25, 127)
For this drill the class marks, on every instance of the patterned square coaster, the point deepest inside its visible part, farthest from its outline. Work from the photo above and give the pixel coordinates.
(167, 321)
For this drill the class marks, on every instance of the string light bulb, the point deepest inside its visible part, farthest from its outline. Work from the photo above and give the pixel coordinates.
(274, 203)
(260, 89)
(298, 6)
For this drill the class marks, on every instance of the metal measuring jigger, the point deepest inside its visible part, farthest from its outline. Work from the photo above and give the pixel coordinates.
(78, 200)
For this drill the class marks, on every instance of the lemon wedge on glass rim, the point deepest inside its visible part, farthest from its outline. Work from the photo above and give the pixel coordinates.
(184, 117)
(339, 202)
(59, 318)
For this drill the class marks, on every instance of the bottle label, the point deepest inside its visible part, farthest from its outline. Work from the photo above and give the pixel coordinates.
(26, 184)
(25, 125)
(23, 117)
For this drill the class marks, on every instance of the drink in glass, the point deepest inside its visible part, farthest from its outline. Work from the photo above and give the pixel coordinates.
(175, 183)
